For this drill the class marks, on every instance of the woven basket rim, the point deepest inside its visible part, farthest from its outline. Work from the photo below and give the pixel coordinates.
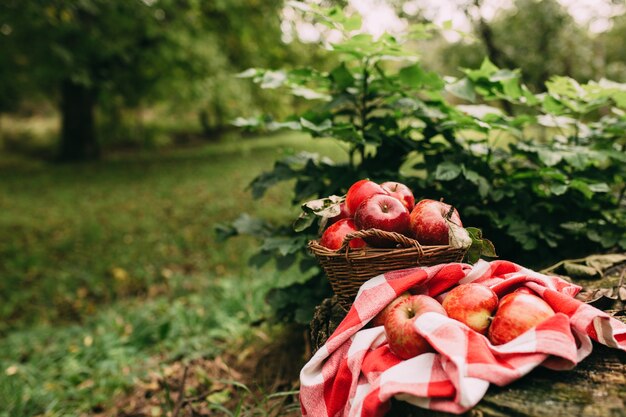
(406, 243)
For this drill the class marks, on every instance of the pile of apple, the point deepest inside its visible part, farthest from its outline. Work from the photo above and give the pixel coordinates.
(391, 207)
(475, 305)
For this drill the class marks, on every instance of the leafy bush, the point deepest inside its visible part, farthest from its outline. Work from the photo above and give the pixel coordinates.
(544, 183)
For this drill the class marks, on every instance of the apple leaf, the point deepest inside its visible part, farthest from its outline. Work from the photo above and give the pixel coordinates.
(488, 249)
(601, 298)
(604, 262)
(580, 271)
(479, 246)
(458, 236)
(324, 207)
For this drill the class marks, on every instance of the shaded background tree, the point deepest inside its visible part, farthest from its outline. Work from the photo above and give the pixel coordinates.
(112, 55)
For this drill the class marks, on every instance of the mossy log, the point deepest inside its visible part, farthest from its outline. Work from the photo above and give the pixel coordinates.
(596, 387)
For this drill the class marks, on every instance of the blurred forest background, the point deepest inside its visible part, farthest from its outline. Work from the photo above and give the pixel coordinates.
(78, 78)
(120, 152)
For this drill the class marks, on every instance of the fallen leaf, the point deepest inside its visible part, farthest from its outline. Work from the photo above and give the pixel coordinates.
(581, 271)
(604, 262)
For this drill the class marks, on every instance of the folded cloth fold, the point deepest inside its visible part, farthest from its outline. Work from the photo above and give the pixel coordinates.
(355, 373)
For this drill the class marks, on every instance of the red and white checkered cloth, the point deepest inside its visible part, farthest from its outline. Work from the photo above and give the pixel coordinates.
(355, 374)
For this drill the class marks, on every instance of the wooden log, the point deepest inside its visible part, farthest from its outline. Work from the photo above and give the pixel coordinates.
(595, 387)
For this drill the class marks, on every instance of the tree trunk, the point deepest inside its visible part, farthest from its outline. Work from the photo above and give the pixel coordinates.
(78, 136)
(494, 53)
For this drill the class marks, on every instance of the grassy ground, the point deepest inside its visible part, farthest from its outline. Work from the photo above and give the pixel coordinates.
(112, 269)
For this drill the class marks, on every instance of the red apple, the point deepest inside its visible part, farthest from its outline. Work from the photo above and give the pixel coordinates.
(525, 290)
(404, 341)
(517, 313)
(401, 192)
(334, 235)
(428, 222)
(471, 304)
(343, 214)
(361, 191)
(381, 317)
(382, 212)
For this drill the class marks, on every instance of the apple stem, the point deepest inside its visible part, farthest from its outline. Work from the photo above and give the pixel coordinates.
(450, 212)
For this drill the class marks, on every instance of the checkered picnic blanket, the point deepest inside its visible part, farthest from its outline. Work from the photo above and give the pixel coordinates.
(355, 374)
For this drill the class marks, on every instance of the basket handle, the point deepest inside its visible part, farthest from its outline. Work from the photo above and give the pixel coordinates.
(401, 239)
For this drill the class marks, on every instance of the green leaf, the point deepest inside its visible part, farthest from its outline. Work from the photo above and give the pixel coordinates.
(479, 246)
(353, 22)
(463, 88)
(259, 259)
(325, 125)
(565, 86)
(243, 225)
(250, 122)
(548, 157)
(249, 73)
(447, 171)
(273, 79)
(552, 105)
(342, 77)
(583, 187)
(504, 75)
(248, 225)
(479, 111)
(309, 94)
(412, 75)
(599, 187)
(486, 70)
(303, 222)
(281, 172)
(488, 249)
(512, 89)
(477, 179)
(487, 67)
(578, 160)
(558, 189)
(474, 232)
(283, 245)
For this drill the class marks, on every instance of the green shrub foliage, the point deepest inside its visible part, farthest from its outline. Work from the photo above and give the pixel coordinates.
(544, 181)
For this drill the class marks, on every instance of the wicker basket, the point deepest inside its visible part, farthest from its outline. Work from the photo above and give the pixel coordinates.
(347, 269)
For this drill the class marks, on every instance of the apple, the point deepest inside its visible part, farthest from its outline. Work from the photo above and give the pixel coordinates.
(334, 235)
(401, 192)
(382, 212)
(343, 214)
(359, 192)
(525, 290)
(381, 317)
(428, 222)
(517, 313)
(472, 304)
(404, 341)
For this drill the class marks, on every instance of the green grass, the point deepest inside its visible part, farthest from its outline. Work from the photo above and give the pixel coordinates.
(107, 265)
